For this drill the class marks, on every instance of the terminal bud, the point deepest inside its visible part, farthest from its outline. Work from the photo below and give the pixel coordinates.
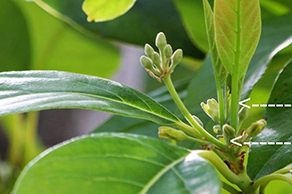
(160, 41)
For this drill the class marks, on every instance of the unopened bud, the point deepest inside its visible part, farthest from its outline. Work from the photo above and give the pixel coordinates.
(255, 128)
(148, 50)
(160, 41)
(156, 59)
(170, 133)
(176, 57)
(198, 120)
(168, 51)
(228, 130)
(146, 62)
(242, 114)
(211, 109)
(216, 128)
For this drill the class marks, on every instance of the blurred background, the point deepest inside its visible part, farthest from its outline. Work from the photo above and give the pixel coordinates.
(35, 35)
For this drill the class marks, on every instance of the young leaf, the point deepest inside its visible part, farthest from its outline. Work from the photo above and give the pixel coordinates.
(38, 90)
(117, 163)
(219, 70)
(274, 157)
(103, 10)
(237, 31)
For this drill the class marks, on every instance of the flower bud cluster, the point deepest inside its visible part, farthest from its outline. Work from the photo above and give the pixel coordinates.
(163, 63)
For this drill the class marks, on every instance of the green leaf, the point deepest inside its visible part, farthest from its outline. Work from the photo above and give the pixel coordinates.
(38, 90)
(104, 10)
(237, 31)
(15, 46)
(192, 15)
(117, 163)
(56, 46)
(275, 157)
(270, 44)
(150, 16)
(219, 70)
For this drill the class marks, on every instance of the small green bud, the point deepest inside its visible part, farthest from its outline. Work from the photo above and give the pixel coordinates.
(242, 115)
(160, 41)
(146, 62)
(170, 133)
(168, 51)
(148, 50)
(216, 128)
(211, 109)
(255, 128)
(228, 130)
(198, 120)
(156, 59)
(176, 57)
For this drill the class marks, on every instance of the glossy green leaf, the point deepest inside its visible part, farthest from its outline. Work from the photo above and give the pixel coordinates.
(149, 16)
(15, 46)
(278, 129)
(56, 46)
(142, 127)
(237, 31)
(38, 90)
(117, 163)
(104, 10)
(192, 15)
(270, 44)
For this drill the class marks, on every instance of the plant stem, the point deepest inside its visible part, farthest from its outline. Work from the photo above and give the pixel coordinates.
(220, 166)
(283, 171)
(229, 188)
(234, 102)
(266, 179)
(188, 116)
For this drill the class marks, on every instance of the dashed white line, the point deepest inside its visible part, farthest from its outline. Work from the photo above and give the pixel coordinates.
(267, 143)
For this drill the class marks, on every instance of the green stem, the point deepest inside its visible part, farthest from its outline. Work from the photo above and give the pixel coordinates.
(263, 188)
(220, 166)
(229, 188)
(188, 116)
(234, 102)
(266, 179)
(283, 171)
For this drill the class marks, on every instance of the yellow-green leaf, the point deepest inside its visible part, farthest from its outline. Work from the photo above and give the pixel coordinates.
(237, 31)
(103, 10)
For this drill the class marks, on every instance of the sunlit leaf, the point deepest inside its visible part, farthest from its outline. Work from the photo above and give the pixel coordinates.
(103, 10)
(237, 31)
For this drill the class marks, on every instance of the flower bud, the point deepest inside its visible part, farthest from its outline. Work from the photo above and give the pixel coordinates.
(216, 128)
(170, 133)
(242, 114)
(146, 62)
(176, 57)
(156, 59)
(228, 130)
(198, 120)
(168, 51)
(148, 50)
(211, 109)
(255, 128)
(160, 41)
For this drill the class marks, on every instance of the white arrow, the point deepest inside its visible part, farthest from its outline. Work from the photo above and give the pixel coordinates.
(243, 101)
(236, 143)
